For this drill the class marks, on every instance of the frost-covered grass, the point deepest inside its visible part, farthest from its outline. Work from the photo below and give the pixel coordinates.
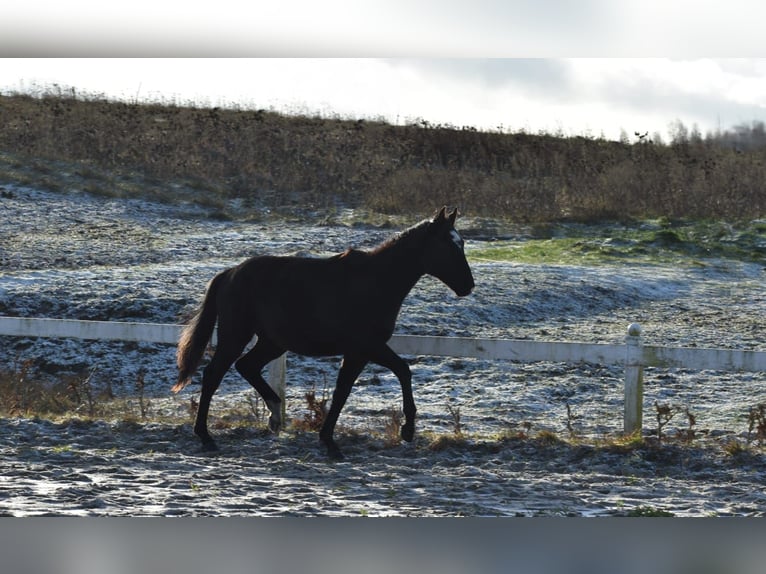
(84, 256)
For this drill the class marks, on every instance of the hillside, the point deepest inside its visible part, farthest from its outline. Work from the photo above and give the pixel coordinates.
(257, 159)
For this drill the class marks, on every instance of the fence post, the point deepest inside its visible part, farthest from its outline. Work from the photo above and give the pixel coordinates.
(277, 377)
(634, 381)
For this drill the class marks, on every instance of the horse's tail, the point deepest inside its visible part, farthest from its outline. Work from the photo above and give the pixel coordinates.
(196, 334)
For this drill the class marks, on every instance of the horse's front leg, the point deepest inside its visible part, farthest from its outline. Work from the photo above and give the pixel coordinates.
(350, 369)
(390, 360)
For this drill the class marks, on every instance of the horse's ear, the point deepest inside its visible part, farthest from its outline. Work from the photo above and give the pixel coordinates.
(452, 217)
(440, 215)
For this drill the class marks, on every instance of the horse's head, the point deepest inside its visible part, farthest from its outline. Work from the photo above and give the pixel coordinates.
(444, 257)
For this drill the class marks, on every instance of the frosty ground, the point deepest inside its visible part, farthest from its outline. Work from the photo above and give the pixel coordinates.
(538, 439)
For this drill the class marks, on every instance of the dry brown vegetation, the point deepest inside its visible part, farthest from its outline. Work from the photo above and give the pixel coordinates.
(267, 159)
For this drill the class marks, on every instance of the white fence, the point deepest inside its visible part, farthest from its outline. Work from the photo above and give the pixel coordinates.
(633, 354)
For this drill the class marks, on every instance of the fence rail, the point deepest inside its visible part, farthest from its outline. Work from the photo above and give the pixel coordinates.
(633, 355)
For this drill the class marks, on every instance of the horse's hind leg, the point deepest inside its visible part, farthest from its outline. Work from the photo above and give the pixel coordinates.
(211, 379)
(250, 367)
(390, 360)
(233, 336)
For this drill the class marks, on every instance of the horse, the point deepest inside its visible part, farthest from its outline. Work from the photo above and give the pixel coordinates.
(346, 304)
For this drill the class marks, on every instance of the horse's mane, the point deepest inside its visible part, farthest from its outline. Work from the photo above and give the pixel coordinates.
(403, 237)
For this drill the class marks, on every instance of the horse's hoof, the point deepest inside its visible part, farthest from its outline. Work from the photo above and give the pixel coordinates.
(209, 446)
(408, 432)
(275, 425)
(335, 454)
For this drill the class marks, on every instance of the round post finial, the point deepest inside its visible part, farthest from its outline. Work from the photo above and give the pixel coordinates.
(634, 330)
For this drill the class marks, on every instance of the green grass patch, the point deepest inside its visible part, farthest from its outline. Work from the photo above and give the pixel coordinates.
(652, 242)
(648, 512)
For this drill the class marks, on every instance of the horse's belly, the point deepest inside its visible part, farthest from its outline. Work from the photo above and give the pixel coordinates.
(327, 344)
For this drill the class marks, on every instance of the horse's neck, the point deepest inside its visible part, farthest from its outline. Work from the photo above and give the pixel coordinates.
(400, 267)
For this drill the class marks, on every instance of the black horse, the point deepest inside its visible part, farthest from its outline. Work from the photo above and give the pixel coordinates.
(342, 305)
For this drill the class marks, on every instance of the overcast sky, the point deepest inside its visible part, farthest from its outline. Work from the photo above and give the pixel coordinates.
(545, 65)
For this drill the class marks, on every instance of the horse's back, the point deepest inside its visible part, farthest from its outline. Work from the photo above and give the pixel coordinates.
(286, 271)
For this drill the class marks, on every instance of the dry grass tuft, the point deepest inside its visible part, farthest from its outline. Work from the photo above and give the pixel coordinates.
(392, 433)
(22, 395)
(447, 441)
(757, 423)
(316, 412)
(547, 438)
